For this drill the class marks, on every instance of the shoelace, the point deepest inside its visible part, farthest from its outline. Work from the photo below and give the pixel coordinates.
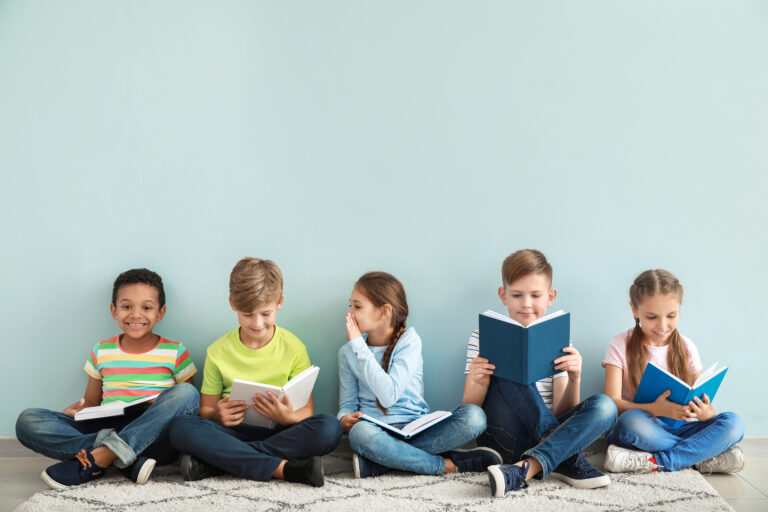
(515, 479)
(638, 461)
(83, 458)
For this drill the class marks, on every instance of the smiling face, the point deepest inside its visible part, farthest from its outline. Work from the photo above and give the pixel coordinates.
(368, 316)
(658, 316)
(528, 297)
(258, 326)
(137, 309)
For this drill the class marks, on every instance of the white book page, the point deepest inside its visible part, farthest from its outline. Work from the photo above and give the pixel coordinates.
(300, 387)
(708, 374)
(116, 405)
(504, 318)
(428, 419)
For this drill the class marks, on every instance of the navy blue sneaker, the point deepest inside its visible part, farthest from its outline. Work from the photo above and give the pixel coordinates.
(366, 468)
(474, 460)
(75, 471)
(505, 478)
(579, 473)
(140, 470)
(193, 468)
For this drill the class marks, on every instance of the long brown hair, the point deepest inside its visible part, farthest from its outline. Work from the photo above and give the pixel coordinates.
(381, 289)
(648, 284)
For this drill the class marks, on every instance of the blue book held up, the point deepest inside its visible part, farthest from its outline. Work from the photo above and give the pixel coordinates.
(656, 380)
(524, 354)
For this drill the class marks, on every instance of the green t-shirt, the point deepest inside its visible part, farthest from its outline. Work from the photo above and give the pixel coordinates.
(227, 359)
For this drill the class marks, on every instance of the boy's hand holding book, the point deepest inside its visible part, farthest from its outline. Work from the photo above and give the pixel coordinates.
(348, 420)
(230, 414)
(480, 370)
(270, 406)
(72, 409)
(570, 363)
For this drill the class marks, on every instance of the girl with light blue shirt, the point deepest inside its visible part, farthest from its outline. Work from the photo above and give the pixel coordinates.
(382, 376)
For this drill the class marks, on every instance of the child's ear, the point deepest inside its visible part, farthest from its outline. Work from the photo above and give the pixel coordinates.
(503, 295)
(280, 303)
(386, 311)
(161, 313)
(552, 296)
(634, 310)
(113, 310)
(232, 305)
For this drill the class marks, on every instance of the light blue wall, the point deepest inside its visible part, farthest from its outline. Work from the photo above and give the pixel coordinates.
(429, 139)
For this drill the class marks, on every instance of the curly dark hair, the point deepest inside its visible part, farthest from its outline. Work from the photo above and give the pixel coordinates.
(139, 275)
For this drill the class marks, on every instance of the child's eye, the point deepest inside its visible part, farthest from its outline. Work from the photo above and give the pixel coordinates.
(126, 307)
(147, 308)
(535, 296)
(651, 317)
(516, 295)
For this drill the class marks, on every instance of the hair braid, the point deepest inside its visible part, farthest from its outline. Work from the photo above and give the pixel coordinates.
(388, 355)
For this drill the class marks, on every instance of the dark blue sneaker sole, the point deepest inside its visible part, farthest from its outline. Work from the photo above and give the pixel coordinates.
(50, 482)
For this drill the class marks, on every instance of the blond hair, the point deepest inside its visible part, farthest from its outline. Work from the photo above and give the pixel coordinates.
(648, 284)
(524, 262)
(255, 282)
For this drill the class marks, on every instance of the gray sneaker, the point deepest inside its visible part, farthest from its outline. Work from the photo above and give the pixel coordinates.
(730, 461)
(624, 460)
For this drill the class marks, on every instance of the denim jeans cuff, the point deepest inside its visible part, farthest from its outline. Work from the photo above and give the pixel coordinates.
(545, 469)
(109, 438)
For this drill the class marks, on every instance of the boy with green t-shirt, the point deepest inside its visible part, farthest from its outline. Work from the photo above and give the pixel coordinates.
(218, 441)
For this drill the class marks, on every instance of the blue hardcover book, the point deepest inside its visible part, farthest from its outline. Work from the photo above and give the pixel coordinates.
(656, 380)
(524, 354)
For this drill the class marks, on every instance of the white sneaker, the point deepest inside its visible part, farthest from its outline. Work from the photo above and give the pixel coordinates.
(623, 460)
(730, 461)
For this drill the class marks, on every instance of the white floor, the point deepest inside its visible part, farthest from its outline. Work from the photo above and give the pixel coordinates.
(746, 491)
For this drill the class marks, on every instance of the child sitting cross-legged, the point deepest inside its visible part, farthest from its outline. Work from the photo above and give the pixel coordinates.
(260, 351)
(135, 364)
(541, 428)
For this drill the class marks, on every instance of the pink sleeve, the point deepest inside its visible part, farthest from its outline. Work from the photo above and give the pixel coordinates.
(616, 354)
(693, 357)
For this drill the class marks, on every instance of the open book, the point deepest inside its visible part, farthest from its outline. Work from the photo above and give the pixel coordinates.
(418, 425)
(298, 390)
(656, 380)
(524, 354)
(116, 408)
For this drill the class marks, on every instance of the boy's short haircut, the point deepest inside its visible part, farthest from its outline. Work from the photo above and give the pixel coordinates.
(139, 275)
(524, 262)
(255, 282)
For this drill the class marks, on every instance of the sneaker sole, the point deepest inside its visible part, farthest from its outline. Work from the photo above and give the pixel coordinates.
(586, 483)
(50, 482)
(355, 465)
(496, 479)
(485, 449)
(146, 470)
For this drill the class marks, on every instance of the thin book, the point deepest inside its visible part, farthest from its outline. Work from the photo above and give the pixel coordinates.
(657, 380)
(298, 390)
(413, 428)
(114, 408)
(524, 354)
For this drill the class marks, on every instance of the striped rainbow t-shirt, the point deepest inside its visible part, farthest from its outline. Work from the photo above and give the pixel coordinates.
(127, 376)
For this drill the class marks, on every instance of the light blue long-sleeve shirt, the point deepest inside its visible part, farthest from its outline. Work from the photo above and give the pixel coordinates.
(363, 380)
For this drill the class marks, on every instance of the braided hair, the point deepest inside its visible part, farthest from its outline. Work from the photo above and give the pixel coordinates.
(381, 289)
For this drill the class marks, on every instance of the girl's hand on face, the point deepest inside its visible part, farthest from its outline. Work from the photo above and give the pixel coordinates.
(481, 370)
(348, 421)
(271, 407)
(664, 407)
(701, 409)
(229, 413)
(353, 330)
(570, 363)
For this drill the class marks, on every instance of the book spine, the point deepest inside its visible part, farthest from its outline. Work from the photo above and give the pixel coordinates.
(526, 354)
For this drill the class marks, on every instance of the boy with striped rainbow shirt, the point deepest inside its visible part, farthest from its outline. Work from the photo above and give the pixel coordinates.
(135, 364)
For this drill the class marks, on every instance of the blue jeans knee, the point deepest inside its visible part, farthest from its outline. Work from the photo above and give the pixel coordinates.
(472, 418)
(327, 430)
(182, 397)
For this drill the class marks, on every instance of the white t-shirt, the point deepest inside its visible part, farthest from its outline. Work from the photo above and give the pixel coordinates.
(616, 355)
(544, 385)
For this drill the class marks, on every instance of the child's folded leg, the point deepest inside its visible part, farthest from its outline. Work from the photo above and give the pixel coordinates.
(466, 423)
(57, 435)
(372, 442)
(313, 436)
(180, 400)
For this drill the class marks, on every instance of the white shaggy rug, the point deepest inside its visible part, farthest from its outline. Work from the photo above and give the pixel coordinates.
(167, 492)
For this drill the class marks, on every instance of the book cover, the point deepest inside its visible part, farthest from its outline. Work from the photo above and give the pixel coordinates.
(524, 354)
(415, 427)
(298, 390)
(656, 381)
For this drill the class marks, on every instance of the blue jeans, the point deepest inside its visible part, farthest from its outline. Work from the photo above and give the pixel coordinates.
(141, 430)
(418, 454)
(681, 447)
(520, 424)
(254, 452)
